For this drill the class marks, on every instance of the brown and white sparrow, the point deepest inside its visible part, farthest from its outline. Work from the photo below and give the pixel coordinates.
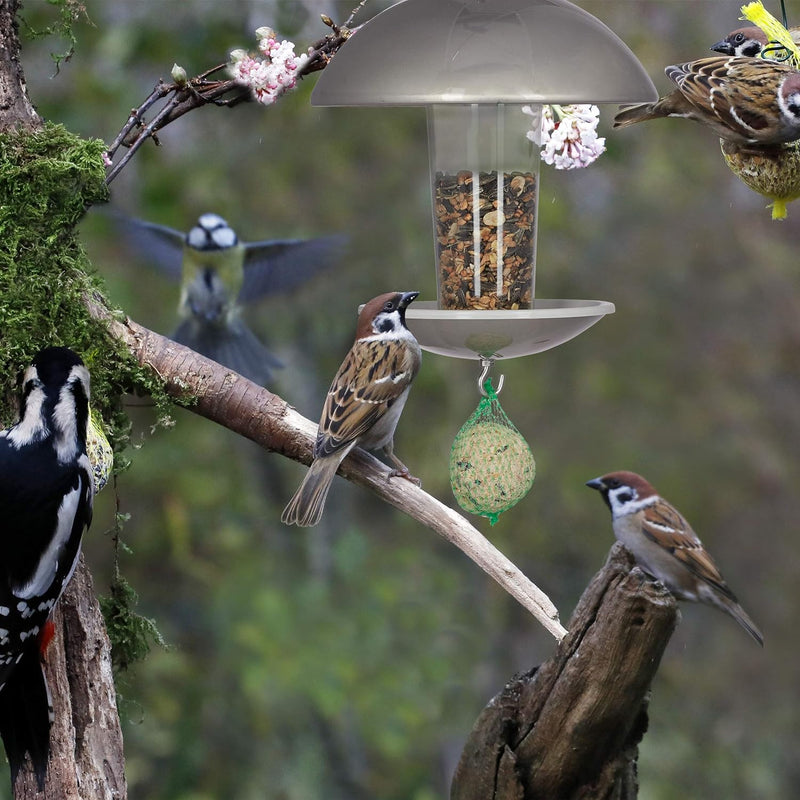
(665, 546)
(748, 41)
(743, 100)
(364, 402)
(772, 171)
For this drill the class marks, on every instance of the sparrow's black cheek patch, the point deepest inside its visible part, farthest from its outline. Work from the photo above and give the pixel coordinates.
(386, 325)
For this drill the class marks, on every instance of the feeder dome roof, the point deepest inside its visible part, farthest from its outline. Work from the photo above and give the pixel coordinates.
(423, 52)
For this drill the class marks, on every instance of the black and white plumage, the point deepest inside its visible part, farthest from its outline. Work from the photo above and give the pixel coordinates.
(46, 494)
(219, 274)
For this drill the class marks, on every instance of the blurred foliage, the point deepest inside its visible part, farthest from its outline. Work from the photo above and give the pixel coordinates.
(350, 661)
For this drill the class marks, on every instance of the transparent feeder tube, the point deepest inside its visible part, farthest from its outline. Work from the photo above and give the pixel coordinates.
(485, 183)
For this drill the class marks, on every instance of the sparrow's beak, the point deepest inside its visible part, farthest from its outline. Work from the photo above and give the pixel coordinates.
(596, 483)
(407, 298)
(723, 47)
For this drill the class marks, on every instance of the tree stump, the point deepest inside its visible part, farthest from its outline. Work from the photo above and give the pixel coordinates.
(569, 729)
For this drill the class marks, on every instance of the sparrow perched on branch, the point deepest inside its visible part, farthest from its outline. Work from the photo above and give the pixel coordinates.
(748, 41)
(665, 546)
(747, 101)
(46, 495)
(218, 274)
(364, 402)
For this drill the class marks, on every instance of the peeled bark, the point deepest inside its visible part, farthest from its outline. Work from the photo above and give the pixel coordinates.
(569, 729)
(16, 110)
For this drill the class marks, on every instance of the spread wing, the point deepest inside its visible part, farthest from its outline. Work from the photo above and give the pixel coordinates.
(373, 375)
(158, 244)
(284, 264)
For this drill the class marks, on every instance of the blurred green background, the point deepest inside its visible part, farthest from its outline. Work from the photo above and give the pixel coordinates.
(350, 661)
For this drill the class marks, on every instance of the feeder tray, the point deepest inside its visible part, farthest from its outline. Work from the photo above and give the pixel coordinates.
(502, 334)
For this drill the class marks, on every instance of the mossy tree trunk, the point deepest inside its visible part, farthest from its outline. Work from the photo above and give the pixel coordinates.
(86, 741)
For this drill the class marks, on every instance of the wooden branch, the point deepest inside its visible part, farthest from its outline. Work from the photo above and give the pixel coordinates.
(86, 756)
(250, 410)
(570, 729)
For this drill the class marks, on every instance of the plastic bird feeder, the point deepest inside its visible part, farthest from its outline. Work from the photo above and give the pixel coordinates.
(474, 64)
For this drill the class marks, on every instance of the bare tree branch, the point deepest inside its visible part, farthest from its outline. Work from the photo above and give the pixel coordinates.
(252, 411)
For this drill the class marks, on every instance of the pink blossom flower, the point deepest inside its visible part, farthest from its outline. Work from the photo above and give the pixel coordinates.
(568, 135)
(272, 72)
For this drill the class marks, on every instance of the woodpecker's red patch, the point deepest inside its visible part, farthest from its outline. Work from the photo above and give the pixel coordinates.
(46, 636)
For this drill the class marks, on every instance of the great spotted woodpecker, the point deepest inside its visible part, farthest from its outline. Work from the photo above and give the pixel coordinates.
(46, 495)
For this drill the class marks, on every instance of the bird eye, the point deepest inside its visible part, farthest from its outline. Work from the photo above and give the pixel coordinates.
(389, 306)
(738, 39)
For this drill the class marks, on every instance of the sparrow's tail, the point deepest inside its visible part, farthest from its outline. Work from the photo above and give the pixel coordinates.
(26, 712)
(741, 616)
(306, 507)
(233, 345)
(633, 114)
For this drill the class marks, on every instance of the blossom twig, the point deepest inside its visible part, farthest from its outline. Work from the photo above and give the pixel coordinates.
(183, 96)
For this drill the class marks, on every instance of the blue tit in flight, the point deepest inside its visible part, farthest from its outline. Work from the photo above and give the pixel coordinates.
(219, 274)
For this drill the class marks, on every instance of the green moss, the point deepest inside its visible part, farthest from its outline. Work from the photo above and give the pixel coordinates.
(130, 633)
(47, 180)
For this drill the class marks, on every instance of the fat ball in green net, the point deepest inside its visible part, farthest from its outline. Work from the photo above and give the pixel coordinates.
(491, 464)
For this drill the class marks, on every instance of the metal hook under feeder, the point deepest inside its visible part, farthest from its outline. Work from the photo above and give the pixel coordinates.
(486, 365)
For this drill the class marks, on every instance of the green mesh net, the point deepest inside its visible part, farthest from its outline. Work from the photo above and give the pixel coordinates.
(491, 465)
